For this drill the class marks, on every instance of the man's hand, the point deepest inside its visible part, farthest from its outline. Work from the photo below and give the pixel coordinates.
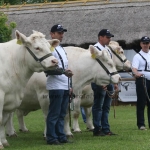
(68, 73)
(138, 75)
(116, 87)
(104, 88)
(70, 91)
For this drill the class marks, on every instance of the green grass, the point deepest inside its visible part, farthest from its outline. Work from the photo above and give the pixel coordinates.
(124, 124)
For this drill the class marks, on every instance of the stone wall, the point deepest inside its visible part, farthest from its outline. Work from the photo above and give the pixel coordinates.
(127, 21)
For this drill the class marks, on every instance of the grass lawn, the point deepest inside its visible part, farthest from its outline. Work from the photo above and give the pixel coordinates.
(124, 124)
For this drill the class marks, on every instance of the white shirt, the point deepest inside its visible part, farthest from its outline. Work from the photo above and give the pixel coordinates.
(139, 63)
(102, 48)
(58, 81)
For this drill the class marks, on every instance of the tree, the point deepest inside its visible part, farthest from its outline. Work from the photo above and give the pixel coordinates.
(5, 29)
(17, 2)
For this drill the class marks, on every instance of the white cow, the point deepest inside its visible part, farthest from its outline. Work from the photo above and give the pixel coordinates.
(85, 69)
(18, 62)
(121, 63)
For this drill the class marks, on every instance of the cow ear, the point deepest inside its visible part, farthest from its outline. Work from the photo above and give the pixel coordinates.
(34, 31)
(21, 38)
(94, 52)
(54, 43)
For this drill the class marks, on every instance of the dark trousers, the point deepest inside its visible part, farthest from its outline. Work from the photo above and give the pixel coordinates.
(101, 107)
(142, 100)
(59, 100)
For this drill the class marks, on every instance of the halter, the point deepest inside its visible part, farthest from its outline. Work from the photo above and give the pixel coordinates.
(123, 61)
(39, 59)
(107, 71)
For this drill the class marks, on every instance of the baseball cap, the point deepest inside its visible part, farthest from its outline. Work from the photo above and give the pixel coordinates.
(145, 39)
(58, 28)
(106, 32)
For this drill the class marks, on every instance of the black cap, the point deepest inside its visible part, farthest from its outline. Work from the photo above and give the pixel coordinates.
(105, 32)
(145, 39)
(58, 28)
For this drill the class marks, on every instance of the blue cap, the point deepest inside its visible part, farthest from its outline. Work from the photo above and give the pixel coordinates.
(145, 39)
(58, 28)
(105, 32)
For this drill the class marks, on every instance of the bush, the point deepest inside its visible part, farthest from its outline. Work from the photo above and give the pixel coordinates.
(5, 29)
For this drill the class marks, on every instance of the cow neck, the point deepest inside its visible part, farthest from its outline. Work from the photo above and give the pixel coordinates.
(20, 67)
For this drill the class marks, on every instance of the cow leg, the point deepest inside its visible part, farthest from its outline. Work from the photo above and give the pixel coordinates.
(20, 116)
(4, 142)
(2, 134)
(44, 104)
(89, 122)
(76, 114)
(67, 129)
(10, 131)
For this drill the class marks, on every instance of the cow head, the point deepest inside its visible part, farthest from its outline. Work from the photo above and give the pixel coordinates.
(38, 47)
(101, 75)
(119, 58)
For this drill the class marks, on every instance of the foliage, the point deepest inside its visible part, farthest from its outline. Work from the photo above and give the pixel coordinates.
(17, 2)
(5, 29)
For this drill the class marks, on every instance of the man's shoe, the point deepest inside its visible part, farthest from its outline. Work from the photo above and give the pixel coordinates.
(100, 133)
(54, 143)
(109, 133)
(66, 141)
(142, 128)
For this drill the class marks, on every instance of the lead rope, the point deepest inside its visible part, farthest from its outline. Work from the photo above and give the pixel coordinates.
(71, 97)
(69, 104)
(145, 88)
(113, 96)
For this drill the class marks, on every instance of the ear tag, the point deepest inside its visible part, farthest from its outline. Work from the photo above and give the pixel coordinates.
(93, 56)
(116, 51)
(52, 48)
(19, 42)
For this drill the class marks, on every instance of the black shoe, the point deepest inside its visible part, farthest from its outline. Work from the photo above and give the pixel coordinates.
(100, 133)
(109, 133)
(66, 141)
(54, 143)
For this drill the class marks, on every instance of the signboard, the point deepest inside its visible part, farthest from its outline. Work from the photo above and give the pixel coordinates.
(128, 90)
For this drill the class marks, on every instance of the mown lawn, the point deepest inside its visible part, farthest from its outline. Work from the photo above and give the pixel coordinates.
(124, 124)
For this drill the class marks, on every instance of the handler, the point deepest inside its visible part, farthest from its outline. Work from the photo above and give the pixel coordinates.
(58, 86)
(141, 71)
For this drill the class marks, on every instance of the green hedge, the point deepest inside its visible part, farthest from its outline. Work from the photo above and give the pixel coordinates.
(5, 29)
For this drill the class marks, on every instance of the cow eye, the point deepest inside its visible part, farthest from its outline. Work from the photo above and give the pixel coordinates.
(110, 64)
(37, 48)
(121, 52)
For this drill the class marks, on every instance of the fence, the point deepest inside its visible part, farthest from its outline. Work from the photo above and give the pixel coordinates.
(24, 5)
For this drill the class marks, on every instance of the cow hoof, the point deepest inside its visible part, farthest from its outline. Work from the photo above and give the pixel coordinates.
(69, 136)
(89, 129)
(13, 135)
(6, 144)
(44, 138)
(77, 131)
(1, 147)
(23, 130)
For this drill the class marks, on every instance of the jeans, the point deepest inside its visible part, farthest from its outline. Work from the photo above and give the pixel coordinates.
(101, 107)
(59, 100)
(106, 109)
(142, 100)
(83, 114)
